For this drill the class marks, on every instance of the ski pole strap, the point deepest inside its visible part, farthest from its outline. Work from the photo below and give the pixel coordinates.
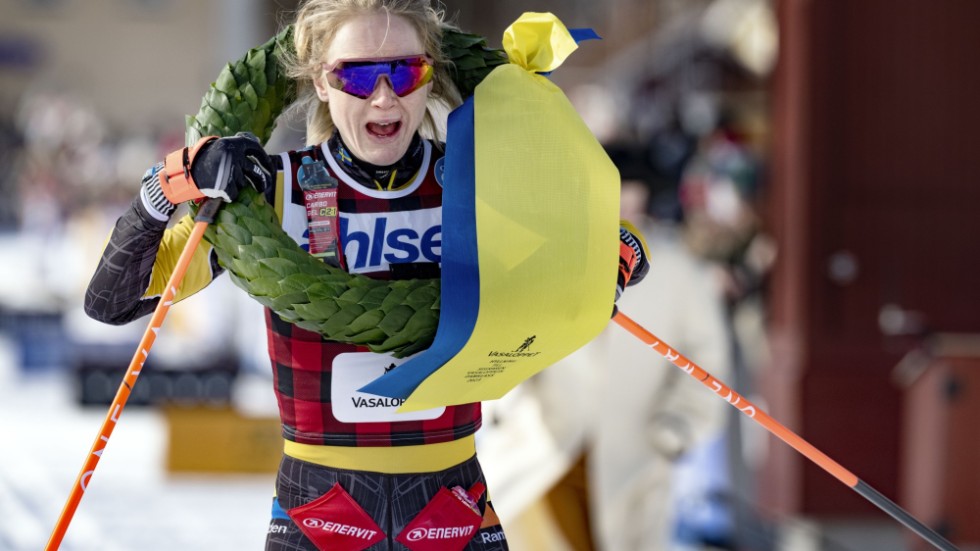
(175, 178)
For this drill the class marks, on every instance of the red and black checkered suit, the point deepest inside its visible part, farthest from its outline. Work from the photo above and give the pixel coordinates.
(302, 360)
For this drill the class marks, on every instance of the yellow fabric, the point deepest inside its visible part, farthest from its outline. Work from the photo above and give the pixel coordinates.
(538, 42)
(198, 274)
(425, 458)
(280, 199)
(547, 203)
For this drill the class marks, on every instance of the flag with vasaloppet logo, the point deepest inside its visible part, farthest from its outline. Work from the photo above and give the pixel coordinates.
(530, 241)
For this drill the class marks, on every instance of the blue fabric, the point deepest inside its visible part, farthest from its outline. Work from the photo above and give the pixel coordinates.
(460, 298)
(581, 35)
(277, 511)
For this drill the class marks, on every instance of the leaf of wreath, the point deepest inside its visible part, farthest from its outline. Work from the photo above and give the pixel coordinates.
(397, 317)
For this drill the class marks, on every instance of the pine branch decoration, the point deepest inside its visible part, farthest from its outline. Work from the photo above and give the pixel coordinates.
(398, 317)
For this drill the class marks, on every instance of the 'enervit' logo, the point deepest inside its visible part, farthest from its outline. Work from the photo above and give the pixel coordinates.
(445, 533)
(339, 528)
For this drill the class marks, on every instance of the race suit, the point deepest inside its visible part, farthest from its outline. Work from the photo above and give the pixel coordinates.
(391, 464)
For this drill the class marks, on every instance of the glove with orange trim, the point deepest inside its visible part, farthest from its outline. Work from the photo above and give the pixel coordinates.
(216, 168)
(633, 263)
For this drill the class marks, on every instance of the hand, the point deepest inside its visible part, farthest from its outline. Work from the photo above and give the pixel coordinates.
(633, 265)
(217, 168)
(222, 167)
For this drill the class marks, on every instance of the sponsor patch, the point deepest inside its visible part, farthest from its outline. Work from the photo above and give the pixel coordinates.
(446, 523)
(372, 241)
(353, 370)
(335, 521)
(439, 170)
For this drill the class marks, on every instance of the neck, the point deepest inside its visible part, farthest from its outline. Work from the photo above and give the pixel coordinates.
(389, 177)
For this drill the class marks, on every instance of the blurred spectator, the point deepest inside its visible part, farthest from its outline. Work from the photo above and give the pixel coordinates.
(11, 145)
(70, 176)
(718, 195)
(650, 413)
(718, 190)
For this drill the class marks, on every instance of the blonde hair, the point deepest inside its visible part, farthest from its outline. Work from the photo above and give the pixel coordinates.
(316, 23)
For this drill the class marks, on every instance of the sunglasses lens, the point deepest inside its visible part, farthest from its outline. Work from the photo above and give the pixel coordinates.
(410, 75)
(359, 78)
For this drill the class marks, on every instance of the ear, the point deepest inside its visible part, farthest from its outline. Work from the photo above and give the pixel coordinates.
(321, 88)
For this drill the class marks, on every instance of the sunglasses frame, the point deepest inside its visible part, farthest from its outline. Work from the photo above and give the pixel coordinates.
(337, 83)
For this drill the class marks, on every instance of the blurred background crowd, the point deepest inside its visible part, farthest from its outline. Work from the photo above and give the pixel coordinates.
(803, 174)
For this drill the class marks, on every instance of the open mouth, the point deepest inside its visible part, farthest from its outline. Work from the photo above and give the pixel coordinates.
(384, 130)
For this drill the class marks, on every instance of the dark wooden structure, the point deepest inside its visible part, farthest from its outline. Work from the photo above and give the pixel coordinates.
(875, 203)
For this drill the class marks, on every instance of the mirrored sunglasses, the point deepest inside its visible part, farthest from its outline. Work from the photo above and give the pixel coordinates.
(359, 78)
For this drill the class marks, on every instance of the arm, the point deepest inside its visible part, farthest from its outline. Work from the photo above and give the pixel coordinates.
(138, 259)
(142, 251)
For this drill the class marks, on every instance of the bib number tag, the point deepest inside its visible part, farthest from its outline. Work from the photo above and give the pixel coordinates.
(320, 197)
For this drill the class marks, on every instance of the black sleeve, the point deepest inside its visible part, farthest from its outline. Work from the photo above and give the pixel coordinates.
(115, 294)
(124, 286)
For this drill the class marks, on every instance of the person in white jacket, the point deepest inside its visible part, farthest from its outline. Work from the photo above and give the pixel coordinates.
(648, 413)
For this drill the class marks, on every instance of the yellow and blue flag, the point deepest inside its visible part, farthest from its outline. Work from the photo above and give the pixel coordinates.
(530, 247)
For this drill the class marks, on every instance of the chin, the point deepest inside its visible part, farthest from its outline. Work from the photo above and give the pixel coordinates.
(384, 156)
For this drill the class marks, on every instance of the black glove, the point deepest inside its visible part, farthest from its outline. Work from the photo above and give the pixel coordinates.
(221, 167)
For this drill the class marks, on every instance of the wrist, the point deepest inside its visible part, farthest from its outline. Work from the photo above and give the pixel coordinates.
(154, 200)
(633, 251)
(175, 177)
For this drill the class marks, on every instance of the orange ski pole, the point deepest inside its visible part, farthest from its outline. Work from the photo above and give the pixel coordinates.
(784, 434)
(205, 217)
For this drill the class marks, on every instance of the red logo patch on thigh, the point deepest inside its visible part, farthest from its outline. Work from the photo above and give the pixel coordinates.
(447, 523)
(335, 521)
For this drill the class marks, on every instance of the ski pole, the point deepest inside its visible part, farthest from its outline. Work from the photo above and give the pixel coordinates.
(784, 434)
(205, 216)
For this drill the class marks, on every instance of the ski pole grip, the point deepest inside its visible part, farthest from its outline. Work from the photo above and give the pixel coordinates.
(208, 210)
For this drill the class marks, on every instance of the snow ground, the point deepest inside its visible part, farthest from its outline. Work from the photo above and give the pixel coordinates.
(132, 503)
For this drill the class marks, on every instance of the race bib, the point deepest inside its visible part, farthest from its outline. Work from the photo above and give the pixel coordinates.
(353, 370)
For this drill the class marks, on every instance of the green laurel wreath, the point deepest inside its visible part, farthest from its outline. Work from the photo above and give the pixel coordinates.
(398, 317)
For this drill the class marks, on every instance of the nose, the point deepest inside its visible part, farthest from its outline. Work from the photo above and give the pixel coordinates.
(383, 95)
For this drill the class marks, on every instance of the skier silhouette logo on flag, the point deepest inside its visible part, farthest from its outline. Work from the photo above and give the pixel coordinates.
(527, 344)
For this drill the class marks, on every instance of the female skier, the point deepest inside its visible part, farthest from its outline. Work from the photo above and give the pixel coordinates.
(354, 474)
